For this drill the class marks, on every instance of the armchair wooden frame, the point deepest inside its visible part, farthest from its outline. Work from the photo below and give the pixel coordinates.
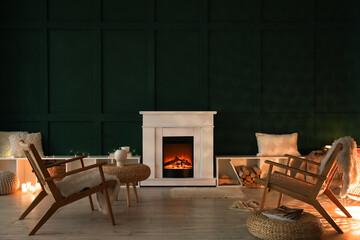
(49, 187)
(321, 186)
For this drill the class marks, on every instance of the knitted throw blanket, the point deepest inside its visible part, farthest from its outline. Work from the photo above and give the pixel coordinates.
(348, 162)
(91, 178)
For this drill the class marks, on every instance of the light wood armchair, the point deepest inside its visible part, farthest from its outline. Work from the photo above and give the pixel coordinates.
(49, 187)
(302, 190)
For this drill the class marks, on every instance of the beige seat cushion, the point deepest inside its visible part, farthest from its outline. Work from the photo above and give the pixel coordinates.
(290, 183)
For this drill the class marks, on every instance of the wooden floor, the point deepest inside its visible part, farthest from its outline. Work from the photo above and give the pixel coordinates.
(157, 216)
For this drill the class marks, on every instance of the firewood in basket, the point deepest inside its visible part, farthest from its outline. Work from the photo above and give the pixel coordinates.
(252, 172)
(245, 169)
(224, 176)
(240, 172)
(256, 169)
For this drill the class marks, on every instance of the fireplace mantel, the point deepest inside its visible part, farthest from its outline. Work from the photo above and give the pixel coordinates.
(159, 124)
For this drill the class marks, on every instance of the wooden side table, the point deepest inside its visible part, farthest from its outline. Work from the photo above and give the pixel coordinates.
(129, 174)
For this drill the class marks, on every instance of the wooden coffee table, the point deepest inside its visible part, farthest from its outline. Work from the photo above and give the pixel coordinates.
(131, 173)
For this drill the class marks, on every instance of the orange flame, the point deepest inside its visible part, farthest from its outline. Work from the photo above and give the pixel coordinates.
(183, 152)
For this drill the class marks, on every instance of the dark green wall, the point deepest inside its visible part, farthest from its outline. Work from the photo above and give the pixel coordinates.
(80, 71)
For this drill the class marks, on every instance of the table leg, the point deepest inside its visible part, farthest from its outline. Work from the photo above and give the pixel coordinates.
(127, 194)
(136, 196)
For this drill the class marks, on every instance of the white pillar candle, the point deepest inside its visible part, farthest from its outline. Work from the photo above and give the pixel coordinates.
(23, 188)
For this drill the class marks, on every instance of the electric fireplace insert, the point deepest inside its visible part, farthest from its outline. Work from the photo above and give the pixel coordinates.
(178, 155)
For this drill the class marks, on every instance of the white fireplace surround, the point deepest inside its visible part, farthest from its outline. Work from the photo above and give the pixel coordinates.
(197, 124)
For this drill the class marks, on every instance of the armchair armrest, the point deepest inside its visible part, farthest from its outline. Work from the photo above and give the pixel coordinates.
(302, 159)
(75, 171)
(66, 161)
(295, 169)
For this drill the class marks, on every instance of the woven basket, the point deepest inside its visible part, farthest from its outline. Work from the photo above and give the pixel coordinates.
(306, 227)
(9, 182)
(131, 172)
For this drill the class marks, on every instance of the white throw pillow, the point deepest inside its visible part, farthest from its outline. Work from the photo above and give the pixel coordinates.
(5, 145)
(277, 144)
(34, 138)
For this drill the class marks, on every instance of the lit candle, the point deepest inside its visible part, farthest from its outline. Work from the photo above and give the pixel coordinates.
(32, 189)
(38, 186)
(28, 185)
(23, 188)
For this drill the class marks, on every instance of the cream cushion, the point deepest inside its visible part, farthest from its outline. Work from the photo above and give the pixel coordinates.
(34, 138)
(277, 144)
(5, 145)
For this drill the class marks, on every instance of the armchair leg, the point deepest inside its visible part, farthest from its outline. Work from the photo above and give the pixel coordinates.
(106, 195)
(109, 205)
(324, 213)
(262, 205)
(280, 199)
(266, 187)
(334, 199)
(47, 215)
(91, 203)
(36, 201)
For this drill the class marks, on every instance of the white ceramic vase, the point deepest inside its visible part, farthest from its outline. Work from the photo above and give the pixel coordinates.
(120, 157)
(126, 148)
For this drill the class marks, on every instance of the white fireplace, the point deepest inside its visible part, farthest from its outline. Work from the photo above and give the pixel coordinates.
(199, 125)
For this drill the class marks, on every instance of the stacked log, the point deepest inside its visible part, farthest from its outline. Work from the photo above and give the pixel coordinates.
(247, 175)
